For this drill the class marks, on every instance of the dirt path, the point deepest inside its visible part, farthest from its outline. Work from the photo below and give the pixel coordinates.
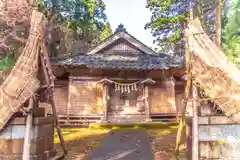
(124, 145)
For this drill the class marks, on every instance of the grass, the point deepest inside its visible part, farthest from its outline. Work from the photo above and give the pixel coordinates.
(72, 134)
(163, 131)
(134, 126)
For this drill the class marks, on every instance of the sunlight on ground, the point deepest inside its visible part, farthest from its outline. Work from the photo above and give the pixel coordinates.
(80, 141)
(72, 134)
(163, 131)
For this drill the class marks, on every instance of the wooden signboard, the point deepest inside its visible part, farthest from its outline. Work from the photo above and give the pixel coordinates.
(221, 132)
(219, 141)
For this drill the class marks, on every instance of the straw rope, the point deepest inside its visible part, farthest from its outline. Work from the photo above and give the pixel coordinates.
(214, 72)
(22, 81)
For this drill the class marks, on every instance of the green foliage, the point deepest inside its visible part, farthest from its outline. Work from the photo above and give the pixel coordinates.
(168, 17)
(6, 62)
(106, 32)
(81, 23)
(135, 126)
(83, 16)
(231, 35)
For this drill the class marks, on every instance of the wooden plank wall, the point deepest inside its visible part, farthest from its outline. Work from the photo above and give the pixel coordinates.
(136, 101)
(162, 98)
(61, 99)
(85, 98)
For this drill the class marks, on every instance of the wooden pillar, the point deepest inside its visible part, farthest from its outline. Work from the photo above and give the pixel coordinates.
(195, 148)
(27, 139)
(68, 103)
(174, 106)
(105, 103)
(147, 105)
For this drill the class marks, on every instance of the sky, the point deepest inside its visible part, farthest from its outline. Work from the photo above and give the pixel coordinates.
(133, 15)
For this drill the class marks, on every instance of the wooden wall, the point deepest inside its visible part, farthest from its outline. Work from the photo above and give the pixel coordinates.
(61, 99)
(162, 98)
(81, 97)
(85, 97)
(136, 101)
(179, 95)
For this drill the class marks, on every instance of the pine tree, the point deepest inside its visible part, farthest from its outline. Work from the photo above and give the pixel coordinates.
(231, 35)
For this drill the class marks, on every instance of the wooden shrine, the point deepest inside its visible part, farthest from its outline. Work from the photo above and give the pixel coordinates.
(121, 80)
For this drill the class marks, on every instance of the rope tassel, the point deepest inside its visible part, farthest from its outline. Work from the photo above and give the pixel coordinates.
(135, 86)
(122, 89)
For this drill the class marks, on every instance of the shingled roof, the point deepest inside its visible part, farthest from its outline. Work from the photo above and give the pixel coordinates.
(121, 51)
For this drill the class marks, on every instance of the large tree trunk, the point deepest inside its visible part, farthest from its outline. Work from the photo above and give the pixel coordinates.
(218, 23)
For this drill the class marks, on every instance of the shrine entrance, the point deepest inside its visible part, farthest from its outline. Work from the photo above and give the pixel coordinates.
(126, 100)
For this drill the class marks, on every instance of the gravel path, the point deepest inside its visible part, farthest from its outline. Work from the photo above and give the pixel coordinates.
(124, 145)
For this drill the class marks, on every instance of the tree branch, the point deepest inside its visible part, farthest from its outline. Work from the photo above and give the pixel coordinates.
(17, 38)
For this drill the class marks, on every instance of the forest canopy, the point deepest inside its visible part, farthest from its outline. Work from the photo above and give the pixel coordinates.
(72, 26)
(220, 20)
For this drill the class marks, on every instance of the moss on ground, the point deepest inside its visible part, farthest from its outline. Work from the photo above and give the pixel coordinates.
(72, 134)
(161, 125)
(80, 141)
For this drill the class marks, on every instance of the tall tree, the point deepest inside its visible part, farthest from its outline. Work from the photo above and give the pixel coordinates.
(168, 17)
(82, 20)
(14, 25)
(231, 34)
(218, 22)
(167, 21)
(70, 23)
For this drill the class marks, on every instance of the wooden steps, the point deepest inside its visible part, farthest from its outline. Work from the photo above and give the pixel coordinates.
(127, 119)
(80, 120)
(76, 120)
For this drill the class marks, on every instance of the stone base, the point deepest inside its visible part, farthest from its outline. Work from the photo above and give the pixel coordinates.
(127, 119)
(42, 139)
(148, 120)
(45, 156)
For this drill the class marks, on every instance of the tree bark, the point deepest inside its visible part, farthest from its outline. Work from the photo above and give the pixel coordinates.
(218, 23)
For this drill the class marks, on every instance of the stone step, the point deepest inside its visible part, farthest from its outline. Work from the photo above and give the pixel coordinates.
(129, 119)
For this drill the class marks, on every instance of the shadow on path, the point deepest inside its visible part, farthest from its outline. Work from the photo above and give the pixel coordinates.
(124, 145)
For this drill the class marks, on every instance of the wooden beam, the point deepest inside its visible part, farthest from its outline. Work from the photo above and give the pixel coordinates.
(195, 149)
(148, 80)
(215, 120)
(105, 80)
(174, 106)
(27, 139)
(99, 78)
(145, 80)
(69, 100)
(49, 79)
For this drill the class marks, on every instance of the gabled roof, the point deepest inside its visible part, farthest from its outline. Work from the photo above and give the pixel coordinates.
(121, 33)
(121, 51)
